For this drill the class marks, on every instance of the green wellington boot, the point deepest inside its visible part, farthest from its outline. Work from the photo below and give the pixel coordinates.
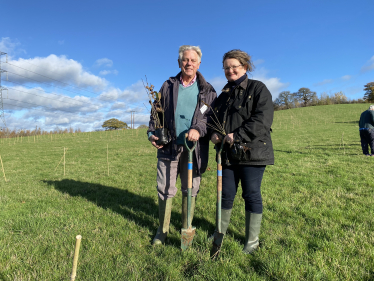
(184, 210)
(164, 210)
(252, 230)
(218, 237)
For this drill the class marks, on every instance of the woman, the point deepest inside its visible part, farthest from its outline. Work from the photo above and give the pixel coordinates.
(245, 111)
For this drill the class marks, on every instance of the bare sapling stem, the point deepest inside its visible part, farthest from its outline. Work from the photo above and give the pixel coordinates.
(2, 167)
(78, 239)
(219, 128)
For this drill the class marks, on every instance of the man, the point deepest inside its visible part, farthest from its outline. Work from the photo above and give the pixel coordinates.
(183, 98)
(366, 124)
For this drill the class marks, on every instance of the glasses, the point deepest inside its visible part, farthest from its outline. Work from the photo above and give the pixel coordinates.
(233, 67)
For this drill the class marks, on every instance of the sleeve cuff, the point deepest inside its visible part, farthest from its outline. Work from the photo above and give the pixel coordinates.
(150, 134)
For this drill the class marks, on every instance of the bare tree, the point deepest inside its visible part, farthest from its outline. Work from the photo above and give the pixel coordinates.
(305, 95)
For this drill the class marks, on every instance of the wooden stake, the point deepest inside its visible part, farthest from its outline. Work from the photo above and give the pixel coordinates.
(2, 167)
(107, 157)
(78, 239)
(64, 161)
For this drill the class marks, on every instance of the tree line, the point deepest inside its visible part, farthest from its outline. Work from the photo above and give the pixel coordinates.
(7, 133)
(305, 97)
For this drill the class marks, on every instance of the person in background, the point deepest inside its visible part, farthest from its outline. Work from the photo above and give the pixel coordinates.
(183, 98)
(366, 125)
(245, 110)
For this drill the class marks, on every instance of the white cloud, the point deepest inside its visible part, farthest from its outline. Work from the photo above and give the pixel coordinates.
(324, 82)
(56, 70)
(21, 97)
(106, 72)
(218, 83)
(346, 77)
(369, 65)
(118, 105)
(134, 93)
(104, 62)
(10, 46)
(258, 62)
(274, 84)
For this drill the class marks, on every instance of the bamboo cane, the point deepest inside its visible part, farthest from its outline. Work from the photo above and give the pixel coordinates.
(78, 239)
(64, 161)
(2, 167)
(107, 156)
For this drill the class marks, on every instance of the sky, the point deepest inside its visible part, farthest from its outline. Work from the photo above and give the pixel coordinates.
(75, 64)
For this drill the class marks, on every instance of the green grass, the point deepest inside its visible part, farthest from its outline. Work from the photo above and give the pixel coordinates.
(317, 222)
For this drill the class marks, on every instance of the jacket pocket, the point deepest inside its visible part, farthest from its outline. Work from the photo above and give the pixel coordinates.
(257, 150)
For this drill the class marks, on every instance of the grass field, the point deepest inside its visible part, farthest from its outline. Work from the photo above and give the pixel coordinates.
(317, 223)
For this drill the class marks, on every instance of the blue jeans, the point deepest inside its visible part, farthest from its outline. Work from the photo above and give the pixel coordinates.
(250, 177)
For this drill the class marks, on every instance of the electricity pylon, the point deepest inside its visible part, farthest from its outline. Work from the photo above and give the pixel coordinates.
(2, 115)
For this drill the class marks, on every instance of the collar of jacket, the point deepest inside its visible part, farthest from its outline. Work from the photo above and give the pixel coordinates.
(243, 85)
(199, 77)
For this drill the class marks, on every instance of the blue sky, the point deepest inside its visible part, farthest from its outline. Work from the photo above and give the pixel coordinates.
(102, 50)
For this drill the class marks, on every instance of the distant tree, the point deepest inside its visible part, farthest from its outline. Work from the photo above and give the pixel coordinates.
(339, 97)
(285, 100)
(305, 95)
(143, 127)
(114, 124)
(369, 92)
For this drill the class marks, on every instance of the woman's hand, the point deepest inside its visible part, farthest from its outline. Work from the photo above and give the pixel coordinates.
(215, 138)
(229, 139)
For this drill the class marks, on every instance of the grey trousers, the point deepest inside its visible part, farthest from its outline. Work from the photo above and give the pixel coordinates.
(168, 171)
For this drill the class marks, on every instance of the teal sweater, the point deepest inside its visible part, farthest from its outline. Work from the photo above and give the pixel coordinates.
(186, 104)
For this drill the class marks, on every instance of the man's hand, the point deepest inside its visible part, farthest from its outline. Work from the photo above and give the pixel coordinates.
(193, 135)
(153, 139)
(216, 138)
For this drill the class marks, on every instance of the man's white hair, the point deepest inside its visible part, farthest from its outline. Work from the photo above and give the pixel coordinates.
(184, 48)
(371, 107)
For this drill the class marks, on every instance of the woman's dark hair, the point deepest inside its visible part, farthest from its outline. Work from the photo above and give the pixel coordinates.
(241, 56)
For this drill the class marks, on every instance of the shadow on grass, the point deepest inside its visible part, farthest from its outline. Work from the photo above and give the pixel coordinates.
(140, 209)
(349, 122)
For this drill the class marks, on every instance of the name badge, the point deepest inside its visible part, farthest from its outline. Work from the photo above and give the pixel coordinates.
(203, 109)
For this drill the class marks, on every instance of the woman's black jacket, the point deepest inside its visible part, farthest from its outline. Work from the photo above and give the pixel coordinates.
(247, 111)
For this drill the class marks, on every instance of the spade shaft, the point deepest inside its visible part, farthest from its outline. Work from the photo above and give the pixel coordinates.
(188, 234)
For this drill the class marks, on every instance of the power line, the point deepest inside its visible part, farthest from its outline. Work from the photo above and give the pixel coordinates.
(2, 115)
(52, 78)
(65, 97)
(45, 92)
(43, 106)
(40, 96)
(48, 84)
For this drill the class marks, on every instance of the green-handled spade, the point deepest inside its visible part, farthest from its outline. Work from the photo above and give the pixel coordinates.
(218, 235)
(188, 233)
